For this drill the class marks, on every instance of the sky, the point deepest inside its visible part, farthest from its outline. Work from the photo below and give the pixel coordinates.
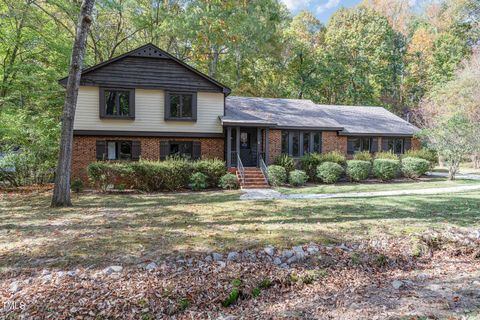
(322, 9)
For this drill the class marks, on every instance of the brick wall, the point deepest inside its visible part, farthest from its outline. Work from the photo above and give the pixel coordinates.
(84, 150)
(275, 144)
(416, 144)
(331, 141)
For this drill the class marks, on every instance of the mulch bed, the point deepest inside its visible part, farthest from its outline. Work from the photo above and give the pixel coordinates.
(335, 284)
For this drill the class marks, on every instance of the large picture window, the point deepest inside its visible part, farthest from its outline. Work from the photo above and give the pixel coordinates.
(359, 144)
(297, 143)
(189, 150)
(117, 103)
(181, 106)
(396, 145)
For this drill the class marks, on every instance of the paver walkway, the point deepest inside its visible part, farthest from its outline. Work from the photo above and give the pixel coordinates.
(269, 194)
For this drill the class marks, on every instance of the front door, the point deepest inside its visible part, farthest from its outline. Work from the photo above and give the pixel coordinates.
(248, 151)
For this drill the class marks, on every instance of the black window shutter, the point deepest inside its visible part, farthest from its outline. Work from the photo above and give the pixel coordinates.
(374, 145)
(136, 150)
(385, 144)
(101, 149)
(164, 149)
(350, 146)
(197, 150)
(407, 144)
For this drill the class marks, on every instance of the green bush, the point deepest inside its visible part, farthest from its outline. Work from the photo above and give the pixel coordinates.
(414, 167)
(229, 181)
(363, 156)
(358, 170)
(198, 181)
(161, 175)
(335, 157)
(427, 154)
(386, 155)
(277, 175)
(329, 172)
(297, 178)
(386, 169)
(285, 161)
(213, 169)
(309, 163)
(76, 185)
(102, 174)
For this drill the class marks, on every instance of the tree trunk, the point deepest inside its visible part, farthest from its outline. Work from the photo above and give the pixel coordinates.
(61, 192)
(452, 170)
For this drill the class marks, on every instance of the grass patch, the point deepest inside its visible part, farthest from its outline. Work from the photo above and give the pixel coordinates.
(127, 229)
(371, 186)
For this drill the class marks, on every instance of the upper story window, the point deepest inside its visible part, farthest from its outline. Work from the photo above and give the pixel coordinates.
(117, 103)
(359, 144)
(181, 106)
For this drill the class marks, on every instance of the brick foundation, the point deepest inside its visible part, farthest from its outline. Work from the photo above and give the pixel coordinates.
(84, 150)
(331, 141)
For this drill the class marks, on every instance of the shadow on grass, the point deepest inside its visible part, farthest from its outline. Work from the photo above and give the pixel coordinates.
(105, 229)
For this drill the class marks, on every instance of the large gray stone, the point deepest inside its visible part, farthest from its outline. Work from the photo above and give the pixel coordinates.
(233, 256)
(151, 266)
(397, 284)
(217, 256)
(277, 261)
(287, 254)
(269, 250)
(15, 287)
(113, 269)
(312, 249)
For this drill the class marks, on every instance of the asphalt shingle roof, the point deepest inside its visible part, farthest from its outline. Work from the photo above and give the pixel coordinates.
(283, 113)
(304, 114)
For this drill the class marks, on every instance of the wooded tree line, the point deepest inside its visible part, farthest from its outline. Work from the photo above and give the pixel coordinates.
(377, 53)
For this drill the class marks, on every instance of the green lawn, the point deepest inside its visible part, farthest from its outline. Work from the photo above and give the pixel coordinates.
(367, 186)
(128, 229)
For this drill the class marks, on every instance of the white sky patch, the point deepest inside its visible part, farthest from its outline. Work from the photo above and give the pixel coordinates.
(295, 5)
(328, 5)
(412, 3)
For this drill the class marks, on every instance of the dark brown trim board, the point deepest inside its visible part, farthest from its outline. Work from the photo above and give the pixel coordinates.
(158, 54)
(113, 133)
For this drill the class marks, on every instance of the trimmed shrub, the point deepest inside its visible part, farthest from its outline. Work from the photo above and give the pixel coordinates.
(335, 157)
(285, 161)
(386, 169)
(229, 181)
(386, 155)
(198, 181)
(414, 167)
(427, 154)
(213, 169)
(363, 156)
(297, 178)
(102, 174)
(329, 172)
(309, 163)
(161, 175)
(358, 170)
(277, 175)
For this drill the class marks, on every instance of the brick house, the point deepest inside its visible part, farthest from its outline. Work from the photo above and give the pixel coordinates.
(146, 104)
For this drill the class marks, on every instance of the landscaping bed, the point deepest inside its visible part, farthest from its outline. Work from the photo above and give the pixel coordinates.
(372, 185)
(380, 278)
